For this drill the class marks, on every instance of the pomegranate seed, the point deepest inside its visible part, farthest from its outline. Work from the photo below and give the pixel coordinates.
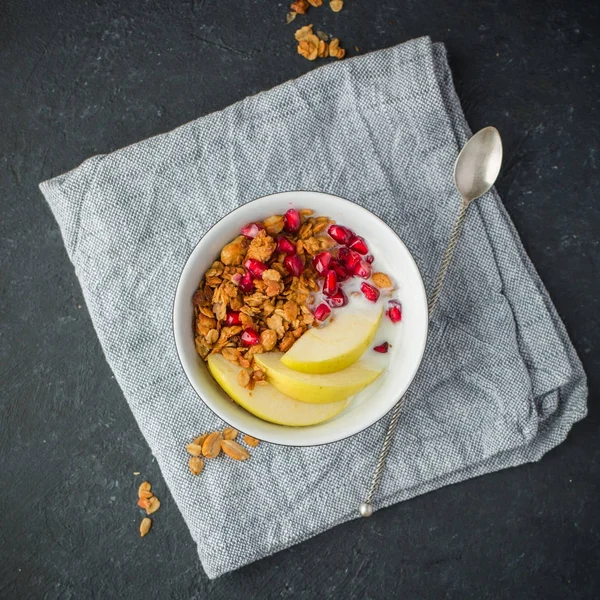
(250, 337)
(321, 262)
(291, 220)
(294, 264)
(246, 283)
(382, 348)
(370, 259)
(395, 313)
(338, 299)
(350, 258)
(233, 318)
(363, 269)
(371, 293)
(341, 234)
(322, 312)
(255, 267)
(340, 270)
(251, 230)
(330, 285)
(284, 245)
(357, 243)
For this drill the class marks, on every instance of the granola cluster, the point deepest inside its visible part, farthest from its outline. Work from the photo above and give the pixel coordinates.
(313, 46)
(256, 297)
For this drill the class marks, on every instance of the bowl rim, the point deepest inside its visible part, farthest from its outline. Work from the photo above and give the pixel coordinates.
(214, 410)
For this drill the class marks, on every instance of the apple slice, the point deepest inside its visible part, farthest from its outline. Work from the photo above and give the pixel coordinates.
(334, 347)
(266, 402)
(316, 388)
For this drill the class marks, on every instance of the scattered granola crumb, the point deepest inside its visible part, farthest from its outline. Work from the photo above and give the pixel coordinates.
(290, 17)
(196, 465)
(154, 505)
(336, 5)
(334, 49)
(234, 450)
(145, 526)
(136, 472)
(194, 449)
(299, 6)
(229, 433)
(315, 3)
(251, 441)
(212, 445)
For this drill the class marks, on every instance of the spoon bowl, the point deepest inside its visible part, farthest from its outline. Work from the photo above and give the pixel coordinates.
(478, 164)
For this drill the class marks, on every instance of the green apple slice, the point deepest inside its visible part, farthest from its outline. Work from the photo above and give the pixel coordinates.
(316, 388)
(266, 402)
(336, 346)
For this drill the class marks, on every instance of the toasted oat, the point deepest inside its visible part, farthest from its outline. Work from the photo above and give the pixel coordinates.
(194, 449)
(154, 505)
(244, 378)
(290, 17)
(336, 5)
(145, 526)
(234, 450)
(251, 441)
(144, 489)
(268, 339)
(381, 280)
(230, 433)
(200, 439)
(144, 503)
(315, 3)
(212, 445)
(196, 465)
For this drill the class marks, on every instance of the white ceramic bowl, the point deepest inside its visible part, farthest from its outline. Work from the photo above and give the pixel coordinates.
(373, 402)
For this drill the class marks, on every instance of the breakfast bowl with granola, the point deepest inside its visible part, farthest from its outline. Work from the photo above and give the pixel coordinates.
(300, 318)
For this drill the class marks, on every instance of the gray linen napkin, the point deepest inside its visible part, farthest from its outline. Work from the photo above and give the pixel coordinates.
(500, 384)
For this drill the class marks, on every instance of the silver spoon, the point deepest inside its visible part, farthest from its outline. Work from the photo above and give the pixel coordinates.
(475, 172)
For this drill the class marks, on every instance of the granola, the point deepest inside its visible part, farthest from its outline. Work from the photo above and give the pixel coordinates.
(255, 297)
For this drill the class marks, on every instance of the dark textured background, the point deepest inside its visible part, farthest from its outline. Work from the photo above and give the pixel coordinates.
(79, 78)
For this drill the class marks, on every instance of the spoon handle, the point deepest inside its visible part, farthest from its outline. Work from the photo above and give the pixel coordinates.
(366, 507)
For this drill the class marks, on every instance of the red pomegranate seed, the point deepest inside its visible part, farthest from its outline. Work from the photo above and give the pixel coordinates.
(371, 293)
(250, 337)
(394, 313)
(338, 299)
(294, 264)
(251, 230)
(233, 318)
(340, 270)
(330, 285)
(322, 312)
(357, 243)
(382, 348)
(284, 245)
(246, 283)
(321, 262)
(255, 267)
(363, 269)
(351, 259)
(291, 220)
(341, 234)
(370, 259)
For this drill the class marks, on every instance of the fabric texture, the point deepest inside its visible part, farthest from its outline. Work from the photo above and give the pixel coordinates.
(500, 383)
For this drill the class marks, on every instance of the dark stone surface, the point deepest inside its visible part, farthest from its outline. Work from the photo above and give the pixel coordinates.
(79, 78)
